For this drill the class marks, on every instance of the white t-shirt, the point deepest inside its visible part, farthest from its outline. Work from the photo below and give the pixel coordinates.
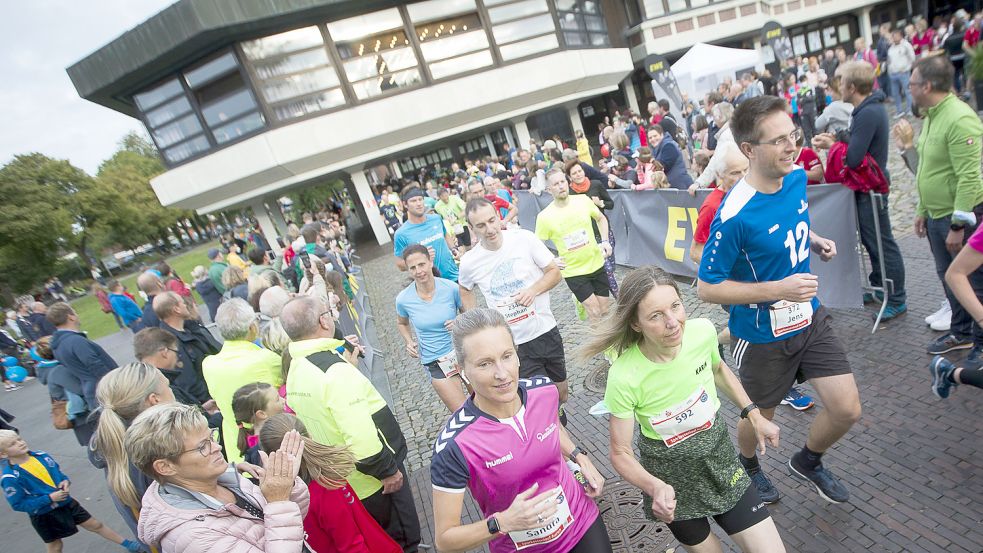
(502, 273)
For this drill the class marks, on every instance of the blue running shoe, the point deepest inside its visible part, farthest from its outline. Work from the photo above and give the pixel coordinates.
(893, 312)
(941, 376)
(827, 485)
(766, 490)
(797, 400)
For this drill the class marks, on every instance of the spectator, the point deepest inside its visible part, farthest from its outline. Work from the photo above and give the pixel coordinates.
(667, 152)
(216, 269)
(102, 296)
(955, 48)
(235, 283)
(807, 159)
(805, 96)
(195, 343)
(950, 189)
(197, 505)
(83, 358)
(869, 134)
(883, 46)
(900, 56)
(836, 117)
(722, 113)
(668, 121)
(234, 259)
(24, 320)
(341, 407)
(125, 308)
(924, 38)
(239, 362)
(829, 63)
(150, 283)
(206, 289)
(583, 148)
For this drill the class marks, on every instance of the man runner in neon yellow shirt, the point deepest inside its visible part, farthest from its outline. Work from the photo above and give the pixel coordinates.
(567, 223)
(450, 207)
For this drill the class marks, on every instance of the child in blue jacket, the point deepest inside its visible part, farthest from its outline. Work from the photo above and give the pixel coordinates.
(34, 484)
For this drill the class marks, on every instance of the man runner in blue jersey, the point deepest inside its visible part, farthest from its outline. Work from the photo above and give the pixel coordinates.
(757, 262)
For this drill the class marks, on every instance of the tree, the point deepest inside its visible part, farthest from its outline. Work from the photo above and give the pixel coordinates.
(36, 217)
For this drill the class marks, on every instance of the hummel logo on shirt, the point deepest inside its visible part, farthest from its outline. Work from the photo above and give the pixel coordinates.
(499, 461)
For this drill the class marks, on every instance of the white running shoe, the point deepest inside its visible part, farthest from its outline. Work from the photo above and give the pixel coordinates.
(944, 312)
(942, 322)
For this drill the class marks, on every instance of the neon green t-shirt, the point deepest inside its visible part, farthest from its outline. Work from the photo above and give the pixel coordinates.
(671, 401)
(452, 212)
(570, 230)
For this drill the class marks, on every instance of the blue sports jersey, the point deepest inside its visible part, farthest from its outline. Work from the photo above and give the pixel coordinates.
(428, 233)
(428, 317)
(758, 237)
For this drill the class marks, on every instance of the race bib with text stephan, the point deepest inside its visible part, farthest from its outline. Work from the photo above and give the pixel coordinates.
(515, 312)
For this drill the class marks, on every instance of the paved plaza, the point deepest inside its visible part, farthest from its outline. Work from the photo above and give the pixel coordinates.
(912, 463)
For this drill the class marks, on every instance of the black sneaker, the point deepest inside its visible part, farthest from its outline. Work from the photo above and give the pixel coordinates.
(948, 342)
(766, 491)
(828, 486)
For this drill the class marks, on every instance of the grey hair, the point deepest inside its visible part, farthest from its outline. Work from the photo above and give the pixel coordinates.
(300, 317)
(472, 322)
(570, 154)
(159, 433)
(722, 112)
(234, 318)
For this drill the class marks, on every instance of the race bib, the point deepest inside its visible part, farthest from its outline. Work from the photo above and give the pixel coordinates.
(576, 240)
(447, 366)
(687, 419)
(515, 312)
(787, 316)
(551, 530)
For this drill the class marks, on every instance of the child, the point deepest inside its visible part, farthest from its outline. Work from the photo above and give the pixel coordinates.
(583, 148)
(651, 173)
(34, 484)
(125, 307)
(336, 520)
(807, 159)
(252, 405)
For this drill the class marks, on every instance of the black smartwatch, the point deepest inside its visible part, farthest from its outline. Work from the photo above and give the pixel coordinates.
(493, 527)
(747, 410)
(957, 227)
(573, 454)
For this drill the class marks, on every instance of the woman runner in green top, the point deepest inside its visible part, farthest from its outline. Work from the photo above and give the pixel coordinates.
(666, 377)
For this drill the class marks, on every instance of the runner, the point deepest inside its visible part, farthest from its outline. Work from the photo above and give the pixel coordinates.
(598, 193)
(515, 273)
(477, 190)
(666, 378)
(430, 304)
(427, 230)
(451, 209)
(505, 445)
(567, 223)
(783, 333)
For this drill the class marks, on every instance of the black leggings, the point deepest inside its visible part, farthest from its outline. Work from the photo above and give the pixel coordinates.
(596, 539)
(748, 512)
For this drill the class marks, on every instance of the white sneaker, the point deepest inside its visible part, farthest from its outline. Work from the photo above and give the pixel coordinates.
(944, 312)
(942, 322)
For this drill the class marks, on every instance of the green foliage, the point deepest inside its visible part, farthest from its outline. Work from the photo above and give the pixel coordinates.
(36, 216)
(312, 198)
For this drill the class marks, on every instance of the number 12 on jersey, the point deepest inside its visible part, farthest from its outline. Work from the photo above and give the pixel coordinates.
(799, 255)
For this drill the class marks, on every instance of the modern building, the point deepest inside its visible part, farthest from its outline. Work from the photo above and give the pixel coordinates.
(249, 99)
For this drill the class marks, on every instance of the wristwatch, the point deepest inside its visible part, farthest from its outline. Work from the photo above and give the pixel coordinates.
(493, 527)
(747, 410)
(957, 227)
(573, 454)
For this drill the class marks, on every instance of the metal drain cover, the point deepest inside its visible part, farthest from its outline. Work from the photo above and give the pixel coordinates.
(597, 379)
(629, 529)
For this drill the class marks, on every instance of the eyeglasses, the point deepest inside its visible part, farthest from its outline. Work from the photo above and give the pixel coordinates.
(782, 141)
(176, 352)
(205, 447)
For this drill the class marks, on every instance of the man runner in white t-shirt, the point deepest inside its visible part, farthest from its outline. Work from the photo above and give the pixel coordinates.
(515, 272)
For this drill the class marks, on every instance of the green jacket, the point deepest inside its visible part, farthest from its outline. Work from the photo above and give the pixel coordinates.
(215, 274)
(237, 364)
(949, 150)
(339, 406)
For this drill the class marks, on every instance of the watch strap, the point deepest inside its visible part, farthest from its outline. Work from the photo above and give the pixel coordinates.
(747, 410)
(573, 454)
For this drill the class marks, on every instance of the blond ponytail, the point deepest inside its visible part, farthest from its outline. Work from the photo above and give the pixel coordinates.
(327, 465)
(122, 395)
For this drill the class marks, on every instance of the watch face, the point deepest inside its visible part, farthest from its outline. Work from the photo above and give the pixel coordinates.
(493, 526)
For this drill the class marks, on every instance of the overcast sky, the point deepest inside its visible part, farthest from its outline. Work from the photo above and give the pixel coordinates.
(39, 108)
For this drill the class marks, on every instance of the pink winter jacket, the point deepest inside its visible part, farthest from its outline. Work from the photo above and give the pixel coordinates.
(179, 521)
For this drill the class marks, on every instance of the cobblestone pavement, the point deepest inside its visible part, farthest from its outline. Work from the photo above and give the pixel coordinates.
(912, 463)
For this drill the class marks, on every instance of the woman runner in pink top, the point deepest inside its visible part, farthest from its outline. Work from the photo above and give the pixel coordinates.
(506, 445)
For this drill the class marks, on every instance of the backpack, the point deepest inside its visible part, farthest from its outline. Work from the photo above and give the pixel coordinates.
(867, 177)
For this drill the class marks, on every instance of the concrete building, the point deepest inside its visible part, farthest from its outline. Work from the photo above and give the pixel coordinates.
(249, 99)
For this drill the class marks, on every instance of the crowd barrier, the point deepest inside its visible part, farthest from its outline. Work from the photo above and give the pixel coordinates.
(357, 319)
(656, 227)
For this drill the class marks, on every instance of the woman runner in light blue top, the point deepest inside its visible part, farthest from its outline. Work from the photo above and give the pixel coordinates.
(430, 304)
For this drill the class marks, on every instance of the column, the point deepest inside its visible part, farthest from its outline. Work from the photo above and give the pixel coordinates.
(508, 136)
(522, 134)
(368, 203)
(266, 225)
(490, 144)
(397, 172)
(628, 88)
(278, 220)
(863, 17)
(575, 121)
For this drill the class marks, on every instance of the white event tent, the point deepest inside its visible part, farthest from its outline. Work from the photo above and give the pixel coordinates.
(705, 66)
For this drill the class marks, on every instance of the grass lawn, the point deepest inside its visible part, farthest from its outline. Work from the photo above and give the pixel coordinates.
(98, 324)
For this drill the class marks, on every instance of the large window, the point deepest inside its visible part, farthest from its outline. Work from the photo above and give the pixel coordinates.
(450, 35)
(582, 23)
(171, 121)
(522, 27)
(226, 103)
(375, 52)
(294, 73)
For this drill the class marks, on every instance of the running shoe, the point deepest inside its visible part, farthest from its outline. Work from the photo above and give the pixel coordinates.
(872, 297)
(941, 369)
(827, 485)
(12, 387)
(893, 312)
(974, 360)
(766, 490)
(943, 314)
(797, 400)
(948, 342)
